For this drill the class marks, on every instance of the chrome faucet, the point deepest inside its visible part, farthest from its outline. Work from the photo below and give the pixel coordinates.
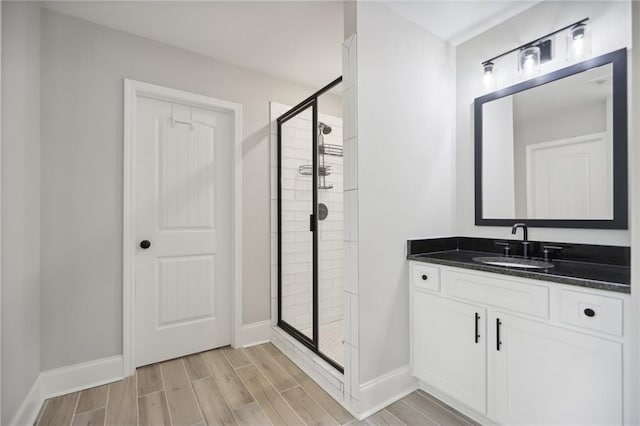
(525, 237)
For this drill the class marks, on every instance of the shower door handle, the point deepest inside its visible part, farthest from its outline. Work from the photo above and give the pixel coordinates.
(312, 223)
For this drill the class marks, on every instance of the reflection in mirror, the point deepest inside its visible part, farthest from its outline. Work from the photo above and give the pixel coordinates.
(547, 152)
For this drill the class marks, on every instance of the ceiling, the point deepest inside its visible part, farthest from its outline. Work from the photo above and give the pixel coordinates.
(295, 40)
(457, 21)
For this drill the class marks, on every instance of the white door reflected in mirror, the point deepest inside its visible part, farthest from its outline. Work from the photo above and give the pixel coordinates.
(548, 151)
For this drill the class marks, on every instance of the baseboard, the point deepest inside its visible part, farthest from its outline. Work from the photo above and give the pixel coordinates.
(64, 380)
(30, 407)
(254, 334)
(385, 389)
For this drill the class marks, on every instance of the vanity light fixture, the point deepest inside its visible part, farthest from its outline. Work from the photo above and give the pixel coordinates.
(579, 41)
(489, 75)
(536, 52)
(529, 61)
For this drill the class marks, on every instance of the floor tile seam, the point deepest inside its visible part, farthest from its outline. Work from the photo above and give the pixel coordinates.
(164, 388)
(270, 383)
(193, 391)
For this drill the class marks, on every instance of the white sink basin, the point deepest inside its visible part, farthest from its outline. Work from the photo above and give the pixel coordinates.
(514, 262)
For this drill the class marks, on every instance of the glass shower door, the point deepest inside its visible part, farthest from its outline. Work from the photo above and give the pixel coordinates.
(296, 209)
(310, 217)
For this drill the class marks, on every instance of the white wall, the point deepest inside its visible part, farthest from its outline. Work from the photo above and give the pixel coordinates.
(20, 203)
(405, 125)
(498, 183)
(611, 30)
(83, 66)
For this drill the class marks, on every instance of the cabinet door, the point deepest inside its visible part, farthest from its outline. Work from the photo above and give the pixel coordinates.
(544, 374)
(446, 353)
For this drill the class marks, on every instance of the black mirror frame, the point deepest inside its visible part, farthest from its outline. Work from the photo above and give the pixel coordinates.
(618, 59)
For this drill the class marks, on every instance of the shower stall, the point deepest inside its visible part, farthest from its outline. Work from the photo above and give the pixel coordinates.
(310, 227)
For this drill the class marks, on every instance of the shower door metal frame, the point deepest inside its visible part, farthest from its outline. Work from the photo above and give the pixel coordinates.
(313, 343)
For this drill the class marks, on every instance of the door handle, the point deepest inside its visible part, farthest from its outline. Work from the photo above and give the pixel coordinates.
(477, 336)
(498, 342)
(145, 244)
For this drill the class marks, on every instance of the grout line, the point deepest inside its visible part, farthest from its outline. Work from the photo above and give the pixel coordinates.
(193, 392)
(150, 393)
(307, 377)
(294, 386)
(184, 361)
(313, 399)
(392, 415)
(218, 384)
(416, 409)
(75, 408)
(248, 403)
(279, 366)
(106, 406)
(138, 399)
(279, 393)
(201, 378)
(289, 404)
(445, 407)
(233, 414)
(165, 394)
(206, 365)
(249, 390)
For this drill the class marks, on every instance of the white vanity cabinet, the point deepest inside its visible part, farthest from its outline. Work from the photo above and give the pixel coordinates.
(450, 355)
(511, 350)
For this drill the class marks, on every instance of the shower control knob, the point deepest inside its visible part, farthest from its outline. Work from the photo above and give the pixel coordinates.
(145, 244)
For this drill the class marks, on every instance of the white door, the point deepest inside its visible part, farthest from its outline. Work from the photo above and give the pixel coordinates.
(546, 375)
(570, 178)
(182, 208)
(447, 352)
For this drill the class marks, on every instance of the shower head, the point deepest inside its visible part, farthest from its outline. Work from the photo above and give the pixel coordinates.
(325, 129)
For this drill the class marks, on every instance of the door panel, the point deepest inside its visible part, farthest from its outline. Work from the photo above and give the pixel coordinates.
(544, 374)
(186, 170)
(570, 178)
(184, 292)
(183, 205)
(445, 353)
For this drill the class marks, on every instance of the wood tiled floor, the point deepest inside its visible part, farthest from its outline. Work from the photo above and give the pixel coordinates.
(254, 386)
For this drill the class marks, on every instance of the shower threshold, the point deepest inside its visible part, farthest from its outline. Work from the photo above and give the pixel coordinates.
(331, 340)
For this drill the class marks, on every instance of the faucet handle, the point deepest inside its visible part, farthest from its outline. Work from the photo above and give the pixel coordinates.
(546, 250)
(507, 247)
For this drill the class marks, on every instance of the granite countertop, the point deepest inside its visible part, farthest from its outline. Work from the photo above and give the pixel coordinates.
(579, 273)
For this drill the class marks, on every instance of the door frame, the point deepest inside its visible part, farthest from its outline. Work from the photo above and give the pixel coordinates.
(132, 90)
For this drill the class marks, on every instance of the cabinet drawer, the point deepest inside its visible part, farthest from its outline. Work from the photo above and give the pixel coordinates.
(503, 294)
(425, 277)
(599, 313)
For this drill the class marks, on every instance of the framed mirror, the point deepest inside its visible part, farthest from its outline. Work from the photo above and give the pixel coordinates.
(552, 151)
